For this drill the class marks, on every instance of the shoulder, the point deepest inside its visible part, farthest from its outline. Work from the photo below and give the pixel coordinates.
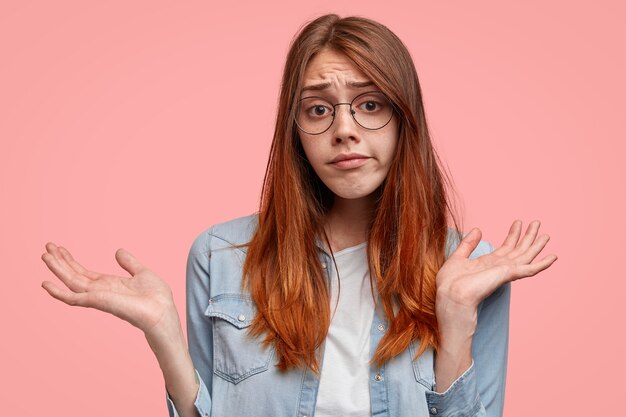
(453, 239)
(231, 233)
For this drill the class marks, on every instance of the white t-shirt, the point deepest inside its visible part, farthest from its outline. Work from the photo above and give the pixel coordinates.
(344, 381)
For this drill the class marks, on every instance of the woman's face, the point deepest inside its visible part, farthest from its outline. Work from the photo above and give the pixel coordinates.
(351, 160)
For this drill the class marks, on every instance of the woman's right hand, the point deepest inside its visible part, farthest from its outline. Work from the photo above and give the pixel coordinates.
(143, 299)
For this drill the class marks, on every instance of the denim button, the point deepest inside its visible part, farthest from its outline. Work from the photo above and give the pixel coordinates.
(378, 377)
(381, 327)
(241, 317)
(433, 410)
(324, 266)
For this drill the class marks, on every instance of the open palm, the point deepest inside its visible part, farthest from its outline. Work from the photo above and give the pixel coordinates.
(466, 282)
(141, 299)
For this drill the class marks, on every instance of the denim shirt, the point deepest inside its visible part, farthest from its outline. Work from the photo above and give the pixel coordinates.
(237, 375)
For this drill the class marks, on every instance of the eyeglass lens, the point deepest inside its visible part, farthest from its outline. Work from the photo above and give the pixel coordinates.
(371, 110)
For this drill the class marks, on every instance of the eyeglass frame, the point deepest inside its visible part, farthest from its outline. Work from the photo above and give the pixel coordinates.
(352, 112)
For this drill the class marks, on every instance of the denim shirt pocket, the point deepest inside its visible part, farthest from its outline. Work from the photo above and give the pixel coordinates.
(236, 355)
(423, 366)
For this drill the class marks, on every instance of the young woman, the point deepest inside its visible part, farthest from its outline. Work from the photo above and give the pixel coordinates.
(348, 294)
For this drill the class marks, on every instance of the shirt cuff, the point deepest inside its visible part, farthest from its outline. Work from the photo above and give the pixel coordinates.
(460, 399)
(202, 403)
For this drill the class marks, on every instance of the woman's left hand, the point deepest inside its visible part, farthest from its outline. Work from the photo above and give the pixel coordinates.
(462, 283)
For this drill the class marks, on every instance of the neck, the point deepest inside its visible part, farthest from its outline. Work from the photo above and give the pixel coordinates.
(348, 220)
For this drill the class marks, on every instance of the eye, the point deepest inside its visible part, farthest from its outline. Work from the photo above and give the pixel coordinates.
(370, 106)
(370, 103)
(319, 110)
(316, 108)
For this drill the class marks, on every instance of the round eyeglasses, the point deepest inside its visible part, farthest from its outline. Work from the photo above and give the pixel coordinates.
(371, 110)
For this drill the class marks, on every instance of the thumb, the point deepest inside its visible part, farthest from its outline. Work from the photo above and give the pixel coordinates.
(128, 261)
(468, 244)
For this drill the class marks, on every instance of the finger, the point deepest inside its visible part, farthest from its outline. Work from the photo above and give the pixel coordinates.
(534, 250)
(128, 261)
(529, 270)
(72, 280)
(514, 233)
(97, 299)
(529, 237)
(468, 243)
(75, 265)
(56, 253)
(68, 297)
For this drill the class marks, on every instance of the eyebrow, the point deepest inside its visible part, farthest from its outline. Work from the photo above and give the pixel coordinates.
(323, 86)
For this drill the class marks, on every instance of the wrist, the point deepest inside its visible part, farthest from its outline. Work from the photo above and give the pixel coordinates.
(456, 327)
(455, 318)
(167, 332)
(169, 346)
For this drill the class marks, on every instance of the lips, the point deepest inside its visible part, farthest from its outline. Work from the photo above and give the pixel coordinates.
(349, 161)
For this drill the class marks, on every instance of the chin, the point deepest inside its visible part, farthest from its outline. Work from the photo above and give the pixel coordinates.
(352, 193)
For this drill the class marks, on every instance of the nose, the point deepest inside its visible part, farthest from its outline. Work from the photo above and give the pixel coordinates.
(345, 127)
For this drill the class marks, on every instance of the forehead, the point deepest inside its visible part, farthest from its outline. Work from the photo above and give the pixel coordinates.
(331, 66)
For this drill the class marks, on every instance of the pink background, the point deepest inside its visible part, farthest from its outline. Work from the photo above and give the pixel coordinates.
(139, 124)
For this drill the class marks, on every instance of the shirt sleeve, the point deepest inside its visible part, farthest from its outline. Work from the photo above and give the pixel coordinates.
(479, 392)
(199, 333)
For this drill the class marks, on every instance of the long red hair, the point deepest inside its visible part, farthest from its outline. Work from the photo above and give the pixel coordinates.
(407, 237)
